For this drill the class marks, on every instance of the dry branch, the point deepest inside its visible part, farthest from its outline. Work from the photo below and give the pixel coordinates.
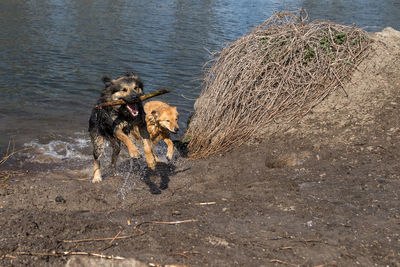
(183, 254)
(283, 262)
(66, 253)
(6, 174)
(205, 203)
(97, 239)
(169, 223)
(109, 244)
(10, 152)
(276, 74)
(142, 98)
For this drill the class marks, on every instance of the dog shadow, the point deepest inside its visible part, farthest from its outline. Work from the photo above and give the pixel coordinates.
(182, 148)
(163, 171)
(156, 180)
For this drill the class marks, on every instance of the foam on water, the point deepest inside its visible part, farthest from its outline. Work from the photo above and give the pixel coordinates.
(54, 151)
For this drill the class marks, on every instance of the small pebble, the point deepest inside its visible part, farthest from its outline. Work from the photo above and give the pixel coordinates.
(175, 212)
(60, 199)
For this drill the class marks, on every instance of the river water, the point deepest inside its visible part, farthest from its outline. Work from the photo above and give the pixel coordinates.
(53, 54)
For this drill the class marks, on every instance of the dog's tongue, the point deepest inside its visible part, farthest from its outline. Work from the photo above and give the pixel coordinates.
(133, 110)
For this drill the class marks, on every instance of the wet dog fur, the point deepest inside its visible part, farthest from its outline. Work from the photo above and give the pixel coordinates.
(161, 120)
(114, 123)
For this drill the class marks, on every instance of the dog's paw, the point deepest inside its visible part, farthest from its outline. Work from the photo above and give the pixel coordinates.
(152, 165)
(157, 159)
(135, 155)
(96, 178)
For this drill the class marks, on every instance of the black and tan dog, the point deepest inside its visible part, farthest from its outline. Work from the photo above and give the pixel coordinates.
(114, 123)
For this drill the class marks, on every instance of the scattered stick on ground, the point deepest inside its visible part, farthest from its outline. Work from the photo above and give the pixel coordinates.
(275, 74)
(115, 237)
(98, 239)
(169, 223)
(283, 262)
(109, 244)
(166, 265)
(183, 254)
(205, 203)
(180, 254)
(6, 174)
(10, 152)
(66, 253)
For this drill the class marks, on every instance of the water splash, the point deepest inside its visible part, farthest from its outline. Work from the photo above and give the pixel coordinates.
(126, 184)
(135, 170)
(57, 150)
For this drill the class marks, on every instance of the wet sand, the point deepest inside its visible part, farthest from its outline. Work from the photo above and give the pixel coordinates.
(324, 192)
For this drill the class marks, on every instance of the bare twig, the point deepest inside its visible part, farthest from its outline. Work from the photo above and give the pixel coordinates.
(183, 254)
(115, 237)
(66, 253)
(109, 244)
(6, 174)
(9, 154)
(205, 203)
(169, 223)
(8, 257)
(98, 239)
(180, 254)
(283, 262)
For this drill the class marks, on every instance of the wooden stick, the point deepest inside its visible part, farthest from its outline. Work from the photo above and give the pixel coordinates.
(67, 253)
(183, 254)
(97, 239)
(8, 257)
(180, 254)
(169, 223)
(8, 155)
(115, 237)
(283, 262)
(109, 244)
(121, 101)
(156, 93)
(205, 203)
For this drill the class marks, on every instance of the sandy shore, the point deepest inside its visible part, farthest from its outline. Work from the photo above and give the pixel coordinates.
(324, 192)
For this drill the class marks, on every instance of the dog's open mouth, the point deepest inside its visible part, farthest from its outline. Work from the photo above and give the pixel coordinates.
(133, 109)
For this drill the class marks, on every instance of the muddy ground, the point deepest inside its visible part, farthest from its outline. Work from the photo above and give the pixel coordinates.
(324, 192)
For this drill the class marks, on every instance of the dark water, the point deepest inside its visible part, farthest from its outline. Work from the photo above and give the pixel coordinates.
(54, 52)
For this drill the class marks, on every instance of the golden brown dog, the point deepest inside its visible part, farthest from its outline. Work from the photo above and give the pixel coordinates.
(161, 120)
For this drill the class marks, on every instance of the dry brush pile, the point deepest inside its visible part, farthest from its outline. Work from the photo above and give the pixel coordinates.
(276, 74)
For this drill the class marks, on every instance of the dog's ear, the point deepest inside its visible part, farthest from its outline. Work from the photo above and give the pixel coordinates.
(106, 80)
(154, 113)
(128, 74)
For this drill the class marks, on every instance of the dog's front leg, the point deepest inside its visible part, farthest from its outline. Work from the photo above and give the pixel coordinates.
(147, 147)
(132, 150)
(98, 147)
(170, 150)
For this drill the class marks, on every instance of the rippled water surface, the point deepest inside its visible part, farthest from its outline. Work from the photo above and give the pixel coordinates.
(54, 52)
